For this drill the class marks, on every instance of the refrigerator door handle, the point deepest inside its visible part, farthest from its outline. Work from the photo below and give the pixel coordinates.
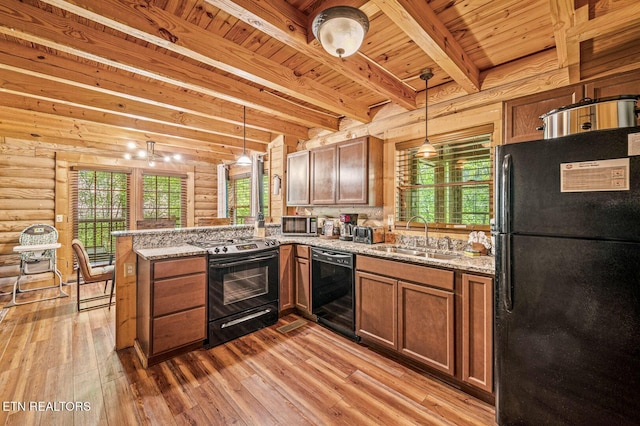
(505, 195)
(506, 288)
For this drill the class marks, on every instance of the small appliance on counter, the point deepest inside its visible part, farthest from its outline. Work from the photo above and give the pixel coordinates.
(302, 226)
(368, 234)
(347, 222)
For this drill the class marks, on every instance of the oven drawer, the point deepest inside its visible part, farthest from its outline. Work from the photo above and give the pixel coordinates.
(178, 294)
(175, 330)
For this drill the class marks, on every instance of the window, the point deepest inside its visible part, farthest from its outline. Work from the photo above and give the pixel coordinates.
(450, 189)
(239, 193)
(265, 194)
(164, 197)
(99, 205)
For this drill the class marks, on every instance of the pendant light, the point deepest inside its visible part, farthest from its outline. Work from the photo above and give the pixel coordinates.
(340, 30)
(244, 159)
(426, 149)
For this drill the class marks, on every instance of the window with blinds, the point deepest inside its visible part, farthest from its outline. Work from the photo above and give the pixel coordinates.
(165, 197)
(100, 204)
(452, 188)
(239, 196)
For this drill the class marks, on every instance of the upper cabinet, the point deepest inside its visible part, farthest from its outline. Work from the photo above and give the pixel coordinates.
(298, 178)
(345, 173)
(522, 115)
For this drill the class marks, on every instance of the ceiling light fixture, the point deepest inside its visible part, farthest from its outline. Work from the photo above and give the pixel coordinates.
(340, 30)
(244, 159)
(426, 149)
(151, 155)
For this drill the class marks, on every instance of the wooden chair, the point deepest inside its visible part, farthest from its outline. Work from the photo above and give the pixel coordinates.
(92, 274)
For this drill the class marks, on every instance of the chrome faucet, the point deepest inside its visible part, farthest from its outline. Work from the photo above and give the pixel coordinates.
(426, 229)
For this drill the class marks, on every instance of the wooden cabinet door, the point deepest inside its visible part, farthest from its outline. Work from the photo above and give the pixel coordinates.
(522, 115)
(298, 178)
(477, 331)
(287, 277)
(426, 325)
(352, 172)
(323, 175)
(303, 284)
(377, 309)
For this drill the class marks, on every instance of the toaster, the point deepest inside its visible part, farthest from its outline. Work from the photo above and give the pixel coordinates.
(368, 234)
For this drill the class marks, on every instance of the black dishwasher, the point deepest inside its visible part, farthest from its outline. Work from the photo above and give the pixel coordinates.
(332, 290)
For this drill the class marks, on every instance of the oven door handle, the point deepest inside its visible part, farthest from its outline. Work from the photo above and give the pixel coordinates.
(333, 254)
(244, 261)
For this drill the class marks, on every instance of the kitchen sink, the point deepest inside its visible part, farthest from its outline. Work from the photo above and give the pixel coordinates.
(415, 252)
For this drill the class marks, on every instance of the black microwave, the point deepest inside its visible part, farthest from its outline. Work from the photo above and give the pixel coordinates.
(306, 226)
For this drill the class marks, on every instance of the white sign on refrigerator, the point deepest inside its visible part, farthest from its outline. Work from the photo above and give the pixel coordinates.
(597, 175)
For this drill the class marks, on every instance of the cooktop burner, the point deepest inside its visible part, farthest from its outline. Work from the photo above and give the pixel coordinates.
(236, 245)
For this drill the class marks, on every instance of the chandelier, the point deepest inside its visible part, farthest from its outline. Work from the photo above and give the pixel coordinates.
(151, 155)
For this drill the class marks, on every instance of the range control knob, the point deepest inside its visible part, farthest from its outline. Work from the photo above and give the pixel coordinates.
(224, 249)
(216, 250)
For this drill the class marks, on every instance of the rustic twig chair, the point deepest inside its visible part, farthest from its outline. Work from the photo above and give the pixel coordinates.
(38, 245)
(92, 274)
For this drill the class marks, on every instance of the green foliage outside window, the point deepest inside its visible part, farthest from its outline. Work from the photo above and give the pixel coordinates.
(451, 188)
(162, 197)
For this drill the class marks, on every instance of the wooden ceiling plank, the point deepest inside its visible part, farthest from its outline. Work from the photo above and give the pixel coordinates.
(35, 124)
(36, 26)
(280, 20)
(23, 82)
(224, 116)
(422, 25)
(562, 13)
(154, 25)
(48, 106)
(618, 20)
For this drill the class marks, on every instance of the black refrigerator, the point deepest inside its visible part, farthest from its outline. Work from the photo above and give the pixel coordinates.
(567, 322)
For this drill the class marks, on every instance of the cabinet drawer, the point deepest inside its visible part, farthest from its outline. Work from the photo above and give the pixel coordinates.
(302, 251)
(176, 267)
(406, 271)
(178, 294)
(175, 330)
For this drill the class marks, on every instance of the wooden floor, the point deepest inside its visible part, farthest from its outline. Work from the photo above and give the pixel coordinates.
(51, 354)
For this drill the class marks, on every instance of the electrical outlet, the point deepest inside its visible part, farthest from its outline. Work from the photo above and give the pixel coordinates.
(129, 269)
(59, 218)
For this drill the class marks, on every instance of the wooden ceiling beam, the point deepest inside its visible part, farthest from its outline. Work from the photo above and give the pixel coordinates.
(36, 26)
(225, 117)
(126, 123)
(36, 125)
(96, 103)
(585, 29)
(421, 24)
(280, 20)
(562, 16)
(154, 25)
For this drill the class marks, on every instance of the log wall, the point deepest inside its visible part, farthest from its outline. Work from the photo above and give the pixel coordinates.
(34, 189)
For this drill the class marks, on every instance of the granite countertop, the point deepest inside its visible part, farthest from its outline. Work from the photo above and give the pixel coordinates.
(480, 264)
(168, 252)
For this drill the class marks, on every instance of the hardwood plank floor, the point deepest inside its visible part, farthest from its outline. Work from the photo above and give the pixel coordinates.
(49, 353)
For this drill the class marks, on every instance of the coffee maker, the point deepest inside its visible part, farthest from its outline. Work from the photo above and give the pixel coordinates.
(347, 222)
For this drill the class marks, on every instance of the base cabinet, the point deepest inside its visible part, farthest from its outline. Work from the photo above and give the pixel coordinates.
(302, 266)
(171, 307)
(477, 331)
(440, 319)
(287, 279)
(426, 325)
(377, 309)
